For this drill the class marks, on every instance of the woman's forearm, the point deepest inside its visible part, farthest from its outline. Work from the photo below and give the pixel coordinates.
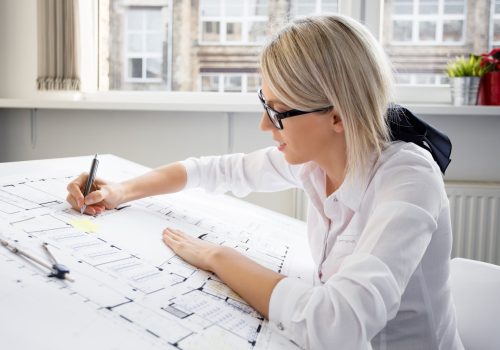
(166, 179)
(253, 282)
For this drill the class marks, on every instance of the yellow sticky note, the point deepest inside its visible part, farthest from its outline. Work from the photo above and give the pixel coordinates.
(84, 225)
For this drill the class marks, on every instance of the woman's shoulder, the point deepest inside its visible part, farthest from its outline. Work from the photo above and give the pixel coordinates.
(402, 155)
(405, 163)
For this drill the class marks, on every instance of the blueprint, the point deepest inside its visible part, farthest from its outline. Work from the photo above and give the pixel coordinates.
(129, 289)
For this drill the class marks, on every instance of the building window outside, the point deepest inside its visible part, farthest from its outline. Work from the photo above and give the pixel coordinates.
(229, 82)
(421, 79)
(143, 46)
(495, 41)
(301, 8)
(229, 22)
(428, 22)
(421, 36)
(146, 42)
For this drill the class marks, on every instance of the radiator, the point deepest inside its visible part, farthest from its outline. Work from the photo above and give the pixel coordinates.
(475, 215)
(475, 219)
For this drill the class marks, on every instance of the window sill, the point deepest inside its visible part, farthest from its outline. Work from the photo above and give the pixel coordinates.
(195, 102)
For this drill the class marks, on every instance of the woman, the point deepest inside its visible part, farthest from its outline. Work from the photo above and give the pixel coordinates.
(378, 223)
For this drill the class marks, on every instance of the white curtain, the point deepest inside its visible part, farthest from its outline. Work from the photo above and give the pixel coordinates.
(58, 45)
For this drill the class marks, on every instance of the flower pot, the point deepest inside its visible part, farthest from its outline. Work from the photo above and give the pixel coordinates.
(464, 90)
(489, 89)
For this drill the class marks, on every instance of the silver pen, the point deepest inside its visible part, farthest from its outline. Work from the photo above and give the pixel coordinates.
(90, 181)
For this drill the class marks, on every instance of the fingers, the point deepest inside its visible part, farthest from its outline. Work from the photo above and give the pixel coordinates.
(170, 241)
(72, 201)
(97, 196)
(172, 234)
(75, 189)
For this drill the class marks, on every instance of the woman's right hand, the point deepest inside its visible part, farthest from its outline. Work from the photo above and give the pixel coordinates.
(102, 195)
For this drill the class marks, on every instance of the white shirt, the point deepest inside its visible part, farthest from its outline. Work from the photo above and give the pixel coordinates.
(381, 245)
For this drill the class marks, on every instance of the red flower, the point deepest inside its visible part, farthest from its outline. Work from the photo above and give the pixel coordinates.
(491, 60)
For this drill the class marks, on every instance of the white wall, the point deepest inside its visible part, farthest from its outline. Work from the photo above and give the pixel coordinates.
(149, 138)
(153, 138)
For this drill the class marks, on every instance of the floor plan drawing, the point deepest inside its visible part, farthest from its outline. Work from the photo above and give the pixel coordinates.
(127, 283)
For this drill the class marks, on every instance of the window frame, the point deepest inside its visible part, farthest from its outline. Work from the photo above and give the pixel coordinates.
(439, 18)
(143, 55)
(318, 6)
(368, 12)
(495, 16)
(223, 20)
(221, 76)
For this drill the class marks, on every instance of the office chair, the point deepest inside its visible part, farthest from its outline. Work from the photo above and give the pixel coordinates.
(475, 287)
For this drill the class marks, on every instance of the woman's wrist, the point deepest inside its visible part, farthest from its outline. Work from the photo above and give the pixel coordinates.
(217, 256)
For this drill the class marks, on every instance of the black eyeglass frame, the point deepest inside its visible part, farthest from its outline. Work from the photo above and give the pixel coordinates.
(276, 117)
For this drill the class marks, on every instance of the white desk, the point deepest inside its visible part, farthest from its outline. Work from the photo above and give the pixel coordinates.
(130, 290)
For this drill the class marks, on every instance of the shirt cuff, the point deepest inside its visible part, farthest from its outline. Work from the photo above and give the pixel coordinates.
(283, 304)
(193, 173)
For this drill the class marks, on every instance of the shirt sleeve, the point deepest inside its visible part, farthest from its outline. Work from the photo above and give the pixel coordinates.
(356, 303)
(265, 170)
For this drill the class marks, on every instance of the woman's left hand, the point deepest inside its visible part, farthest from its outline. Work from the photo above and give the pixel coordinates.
(193, 250)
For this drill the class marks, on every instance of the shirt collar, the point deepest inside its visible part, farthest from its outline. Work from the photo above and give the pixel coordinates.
(352, 190)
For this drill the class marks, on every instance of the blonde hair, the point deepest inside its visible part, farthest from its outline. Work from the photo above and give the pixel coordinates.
(333, 60)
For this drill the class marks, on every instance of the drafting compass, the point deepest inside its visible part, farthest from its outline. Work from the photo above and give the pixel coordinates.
(56, 269)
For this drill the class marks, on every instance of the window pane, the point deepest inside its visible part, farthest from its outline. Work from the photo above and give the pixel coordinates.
(135, 67)
(452, 30)
(210, 8)
(233, 31)
(402, 7)
(497, 6)
(329, 6)
(134, 19)
(153, 68)
(454, 6)
(232, 83)
(258, 7)
(427, 31)
(403, 78)
(153, 19)
(210, 83)
(496, 30)
(303, 7)
(428, 7)
(257, 32)
(234, 8)
(402, 30)
(154, 43)
(211, 31)
(134, 43)
(253, 83)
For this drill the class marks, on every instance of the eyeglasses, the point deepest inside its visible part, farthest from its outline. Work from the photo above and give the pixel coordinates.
(276, 117)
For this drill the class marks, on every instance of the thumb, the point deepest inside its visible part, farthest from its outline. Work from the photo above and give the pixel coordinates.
(97, 196)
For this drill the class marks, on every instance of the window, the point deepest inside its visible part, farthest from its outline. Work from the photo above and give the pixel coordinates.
(233, 22)
(420, 37)
(143, 44)
(133, 45)
(214, 45)
(496, 23)
(229, 82)
(299, 8)
(428, 22)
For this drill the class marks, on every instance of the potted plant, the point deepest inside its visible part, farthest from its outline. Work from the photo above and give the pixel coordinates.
(465, 75)
(489, 89)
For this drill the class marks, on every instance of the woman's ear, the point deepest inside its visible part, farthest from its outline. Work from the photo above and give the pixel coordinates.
(336, 122)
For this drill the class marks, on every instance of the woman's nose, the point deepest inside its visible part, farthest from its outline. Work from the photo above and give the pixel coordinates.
(265, 124)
